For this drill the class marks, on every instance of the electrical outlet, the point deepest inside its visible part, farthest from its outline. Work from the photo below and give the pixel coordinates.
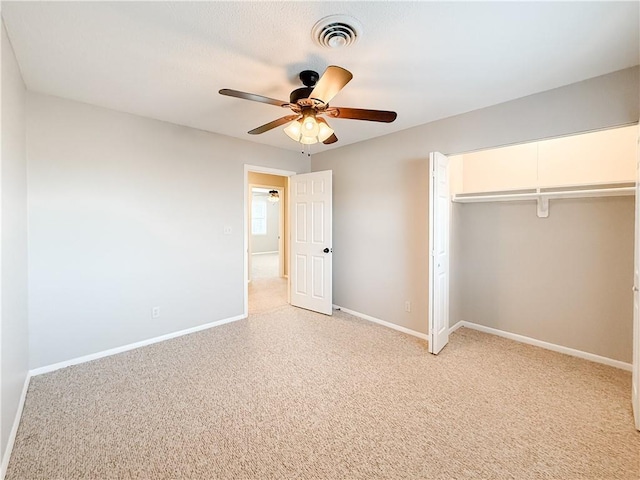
(155, 312)
(407, 306)
(228, 230)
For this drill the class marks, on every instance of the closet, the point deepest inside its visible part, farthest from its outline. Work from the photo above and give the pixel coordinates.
(542, 242)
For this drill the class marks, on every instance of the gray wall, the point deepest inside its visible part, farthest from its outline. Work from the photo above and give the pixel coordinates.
(381, 239)
(127, 213)
(565, 279)
(13, 261)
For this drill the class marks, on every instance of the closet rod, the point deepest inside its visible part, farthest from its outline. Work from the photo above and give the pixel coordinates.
(505, 197)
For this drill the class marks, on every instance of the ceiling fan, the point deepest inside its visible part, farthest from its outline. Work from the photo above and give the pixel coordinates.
(310, 103)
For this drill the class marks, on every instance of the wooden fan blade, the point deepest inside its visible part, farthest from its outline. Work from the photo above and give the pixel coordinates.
(362, 114)
(331, 139)
(271, 125)
(253, 97)
(332, 81)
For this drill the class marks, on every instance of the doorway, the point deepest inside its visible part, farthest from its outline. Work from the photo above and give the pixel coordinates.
(266, 232)
(310, 285)
(266, 239)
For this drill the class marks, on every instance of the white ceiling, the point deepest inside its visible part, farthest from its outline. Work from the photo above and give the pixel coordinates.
(424, 60)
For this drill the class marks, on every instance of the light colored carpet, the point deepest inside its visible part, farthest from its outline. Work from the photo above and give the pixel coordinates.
(292, 394)
(265, 265)
(266, 290)
(266, 294)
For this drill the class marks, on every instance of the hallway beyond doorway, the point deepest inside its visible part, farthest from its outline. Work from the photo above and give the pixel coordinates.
(265, 265)
(267, 290)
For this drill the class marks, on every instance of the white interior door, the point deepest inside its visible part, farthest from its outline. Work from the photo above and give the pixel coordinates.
(439, 207)
(635, 381)
(311, 236)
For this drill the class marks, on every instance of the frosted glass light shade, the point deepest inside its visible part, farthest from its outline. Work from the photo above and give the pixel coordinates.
(293, 130)
(298, 132)
(325, 131)
(310, 127)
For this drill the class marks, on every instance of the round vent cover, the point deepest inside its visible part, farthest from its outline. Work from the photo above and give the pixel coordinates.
(336, 31)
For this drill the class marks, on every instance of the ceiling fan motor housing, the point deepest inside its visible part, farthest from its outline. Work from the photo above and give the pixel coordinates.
(300, 93)
(309, 78)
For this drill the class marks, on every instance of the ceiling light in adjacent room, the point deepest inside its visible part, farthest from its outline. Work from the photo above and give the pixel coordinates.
(274, 196)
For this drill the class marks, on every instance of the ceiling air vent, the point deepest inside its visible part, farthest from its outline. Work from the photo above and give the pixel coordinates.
(336, 31)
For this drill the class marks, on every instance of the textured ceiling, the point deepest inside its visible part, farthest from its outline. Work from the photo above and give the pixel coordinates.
(425, 60)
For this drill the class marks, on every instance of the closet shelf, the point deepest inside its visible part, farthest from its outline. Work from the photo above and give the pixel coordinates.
(543, 195)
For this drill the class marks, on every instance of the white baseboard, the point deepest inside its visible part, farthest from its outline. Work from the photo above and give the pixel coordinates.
(14, 429)
(456, 327)
(131, 346)
(264, 253)
(546, 345)
(393, 326)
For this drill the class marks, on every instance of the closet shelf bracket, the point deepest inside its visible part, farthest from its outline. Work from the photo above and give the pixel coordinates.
(543, 207)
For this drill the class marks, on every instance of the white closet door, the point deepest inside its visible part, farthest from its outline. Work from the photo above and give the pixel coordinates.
(311, 236)
(439, 207)
(635, 383)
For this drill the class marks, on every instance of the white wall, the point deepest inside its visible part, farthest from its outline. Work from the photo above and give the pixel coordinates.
(13, 260)
(380, 239)
(127, 213)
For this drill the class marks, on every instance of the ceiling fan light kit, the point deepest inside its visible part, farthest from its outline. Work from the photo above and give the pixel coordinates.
(309, 131)
(309, 103)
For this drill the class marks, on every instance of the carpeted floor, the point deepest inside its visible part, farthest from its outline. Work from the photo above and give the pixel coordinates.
(293, 394)
(265, 265)
(266, 290)
(266, 294)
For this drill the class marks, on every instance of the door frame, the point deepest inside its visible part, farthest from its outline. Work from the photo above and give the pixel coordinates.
(245, 226)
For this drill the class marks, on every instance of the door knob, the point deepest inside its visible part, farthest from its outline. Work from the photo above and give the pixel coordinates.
(635, 289)
(326, 250)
